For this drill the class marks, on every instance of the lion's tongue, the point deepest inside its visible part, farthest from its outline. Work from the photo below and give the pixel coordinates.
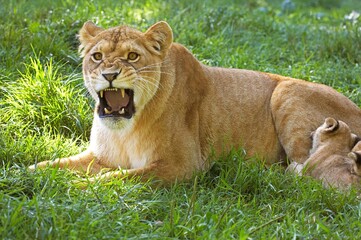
(115, 100)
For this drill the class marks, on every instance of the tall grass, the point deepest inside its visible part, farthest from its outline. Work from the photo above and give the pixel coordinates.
(46, 113)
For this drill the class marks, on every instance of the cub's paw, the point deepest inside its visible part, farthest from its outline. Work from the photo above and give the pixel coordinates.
(32, 168)
(37, 166)
(295, 168)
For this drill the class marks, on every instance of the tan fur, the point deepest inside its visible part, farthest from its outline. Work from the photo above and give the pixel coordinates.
(186, 111)
(330, 158)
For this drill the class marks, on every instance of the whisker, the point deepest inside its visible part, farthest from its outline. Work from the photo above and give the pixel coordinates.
(143, 86)
(161, 72)
(148, 80)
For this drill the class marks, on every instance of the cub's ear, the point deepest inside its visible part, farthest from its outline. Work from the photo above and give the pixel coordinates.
(331, 125)
(87, 33)
(160, 37)
(356, 142)
(356, 156)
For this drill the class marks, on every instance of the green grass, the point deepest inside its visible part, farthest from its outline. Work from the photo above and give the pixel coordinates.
(46, 113)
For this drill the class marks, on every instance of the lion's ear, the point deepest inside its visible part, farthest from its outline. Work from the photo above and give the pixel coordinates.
(160, 36)
(331, 125)
(87, 33)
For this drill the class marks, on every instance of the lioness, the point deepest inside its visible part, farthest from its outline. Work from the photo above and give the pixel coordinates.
(161, 113)
(331, 159)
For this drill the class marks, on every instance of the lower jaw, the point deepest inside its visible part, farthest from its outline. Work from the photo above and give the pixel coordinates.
(115, 117)
(115, 123)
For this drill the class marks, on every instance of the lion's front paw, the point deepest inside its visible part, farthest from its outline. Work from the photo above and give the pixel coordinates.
(103, 178)
(84, 183)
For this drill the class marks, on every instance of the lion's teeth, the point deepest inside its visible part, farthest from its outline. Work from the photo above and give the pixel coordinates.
(101, 94)
(122, 111)
(107, 111)
(123, 92)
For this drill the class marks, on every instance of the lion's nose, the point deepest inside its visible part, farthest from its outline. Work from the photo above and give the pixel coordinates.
(110, 76)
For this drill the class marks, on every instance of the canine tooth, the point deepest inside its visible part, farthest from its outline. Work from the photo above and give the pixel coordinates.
(101, 94)
(122, 111)
(123, 92)
(107, 111)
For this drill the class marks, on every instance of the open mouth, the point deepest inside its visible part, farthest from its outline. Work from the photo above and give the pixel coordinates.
(116, 102)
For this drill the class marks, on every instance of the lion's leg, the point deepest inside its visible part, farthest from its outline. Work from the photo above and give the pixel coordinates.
(295, 117)
(163, 172)
(84, 162)
(294, 130)
(296, 141)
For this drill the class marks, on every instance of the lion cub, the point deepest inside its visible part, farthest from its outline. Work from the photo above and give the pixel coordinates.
(331, 159)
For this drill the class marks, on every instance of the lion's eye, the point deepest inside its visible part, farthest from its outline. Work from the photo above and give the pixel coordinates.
(97, 56)
(132, 56)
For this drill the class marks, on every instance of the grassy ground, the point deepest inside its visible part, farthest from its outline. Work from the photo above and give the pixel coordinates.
(45, 113)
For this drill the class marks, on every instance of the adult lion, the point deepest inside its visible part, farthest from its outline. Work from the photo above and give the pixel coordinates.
(160, 112)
